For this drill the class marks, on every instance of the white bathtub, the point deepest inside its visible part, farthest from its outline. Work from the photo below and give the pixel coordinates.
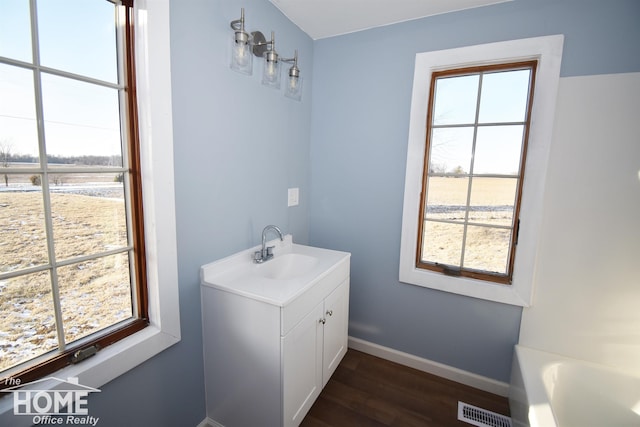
(549, 390)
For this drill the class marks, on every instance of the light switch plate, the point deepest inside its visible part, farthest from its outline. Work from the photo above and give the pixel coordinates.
(294, 197)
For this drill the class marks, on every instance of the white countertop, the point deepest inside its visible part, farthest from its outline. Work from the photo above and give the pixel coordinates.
(240, 275)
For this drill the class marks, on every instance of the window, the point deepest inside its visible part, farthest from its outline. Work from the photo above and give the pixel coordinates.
(153, 77)
(72, 264)
(477, 62)
(477, 129)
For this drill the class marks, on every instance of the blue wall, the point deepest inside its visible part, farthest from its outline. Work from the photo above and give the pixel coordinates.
(238, 146)
(361, 102)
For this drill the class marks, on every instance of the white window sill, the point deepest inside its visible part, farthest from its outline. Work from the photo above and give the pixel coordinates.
(105, 366)
(156, 144)
(506, 294)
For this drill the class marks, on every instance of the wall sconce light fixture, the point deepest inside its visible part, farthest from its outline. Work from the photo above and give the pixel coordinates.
(271, 69)
(245, 44)
(294, 81)
(241, 58)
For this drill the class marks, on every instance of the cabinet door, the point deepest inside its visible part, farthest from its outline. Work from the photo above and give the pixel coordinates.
(302, 366)
(336, 313)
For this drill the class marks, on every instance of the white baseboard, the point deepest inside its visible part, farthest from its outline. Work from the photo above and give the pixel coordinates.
(445, 371)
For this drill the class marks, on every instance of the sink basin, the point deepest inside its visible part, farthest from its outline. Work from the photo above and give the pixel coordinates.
(292, 270)
(286, 266)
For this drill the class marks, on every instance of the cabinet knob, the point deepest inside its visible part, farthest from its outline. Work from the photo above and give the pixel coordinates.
(323, 321)
(329, 312)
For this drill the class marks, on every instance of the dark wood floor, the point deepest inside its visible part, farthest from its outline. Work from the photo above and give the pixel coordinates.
(369, 391)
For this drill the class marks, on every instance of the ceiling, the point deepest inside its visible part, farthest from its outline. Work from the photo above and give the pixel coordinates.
(327, 18)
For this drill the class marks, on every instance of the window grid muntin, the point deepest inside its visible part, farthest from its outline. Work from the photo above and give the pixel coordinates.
(44, 170)
(470, 182)
(466, 271)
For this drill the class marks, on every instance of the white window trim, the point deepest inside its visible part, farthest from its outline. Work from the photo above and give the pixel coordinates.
(548, 51)
(153, 70)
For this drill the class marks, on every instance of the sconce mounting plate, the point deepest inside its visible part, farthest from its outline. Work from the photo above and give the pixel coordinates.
(259, 43)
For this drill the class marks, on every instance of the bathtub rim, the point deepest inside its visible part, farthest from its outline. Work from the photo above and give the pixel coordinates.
(540, 411)
(535, 396)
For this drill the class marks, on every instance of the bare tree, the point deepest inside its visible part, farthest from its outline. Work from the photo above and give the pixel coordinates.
(459, 170)
(437, 167)
(5, 155)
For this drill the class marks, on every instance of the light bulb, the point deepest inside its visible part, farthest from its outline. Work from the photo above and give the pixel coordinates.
(293, 83)
(241, 54)
(294, 88)
(271, 70)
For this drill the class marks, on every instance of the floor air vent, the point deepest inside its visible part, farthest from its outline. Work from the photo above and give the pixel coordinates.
(481, 417)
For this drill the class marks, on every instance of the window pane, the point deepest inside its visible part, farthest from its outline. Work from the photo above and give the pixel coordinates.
(81, 119)
(18, 125)
(492, 200)
(455, 100)
(82, 42)
(450, 150)
(504, 97)
(15, 30)
(487, 249)
(447, 198)
(27, 319)
(23, 241)
(442, 243)
(94, 295)
(498, 150)
(88, 216)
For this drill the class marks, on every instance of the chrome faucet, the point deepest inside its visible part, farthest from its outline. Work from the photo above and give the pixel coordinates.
(266, 253)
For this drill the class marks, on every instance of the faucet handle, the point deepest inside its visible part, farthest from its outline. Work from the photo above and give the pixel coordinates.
(257, 256)
(270, 251)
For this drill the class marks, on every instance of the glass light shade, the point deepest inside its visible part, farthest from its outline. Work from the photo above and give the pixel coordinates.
(241, 56)
(293, 88)
(271, 70)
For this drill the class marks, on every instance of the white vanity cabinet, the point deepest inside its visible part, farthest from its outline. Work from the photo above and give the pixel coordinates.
(270, 346)
(311, 351)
